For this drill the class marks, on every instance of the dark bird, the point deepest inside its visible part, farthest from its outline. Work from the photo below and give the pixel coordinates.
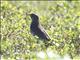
(37, 29)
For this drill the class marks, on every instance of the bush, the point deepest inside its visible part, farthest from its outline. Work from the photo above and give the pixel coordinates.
(61, 19)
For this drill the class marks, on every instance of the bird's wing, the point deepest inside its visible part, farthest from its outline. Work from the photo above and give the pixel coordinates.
(43, 30)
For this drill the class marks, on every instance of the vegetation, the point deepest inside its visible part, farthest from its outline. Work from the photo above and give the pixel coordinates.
(61, 20)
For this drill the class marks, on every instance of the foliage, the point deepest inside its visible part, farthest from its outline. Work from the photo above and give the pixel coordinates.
(61, 19)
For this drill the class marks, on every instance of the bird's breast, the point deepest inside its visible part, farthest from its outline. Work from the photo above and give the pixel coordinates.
(34, 27)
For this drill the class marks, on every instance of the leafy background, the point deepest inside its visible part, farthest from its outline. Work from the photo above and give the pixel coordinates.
(61, 20)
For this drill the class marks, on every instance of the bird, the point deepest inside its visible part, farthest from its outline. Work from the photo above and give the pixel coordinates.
(37, 29)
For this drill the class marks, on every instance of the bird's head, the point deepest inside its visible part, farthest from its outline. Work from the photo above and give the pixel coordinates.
(34, 17)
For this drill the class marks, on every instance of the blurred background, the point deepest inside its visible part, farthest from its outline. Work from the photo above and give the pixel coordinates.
(61, 20)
